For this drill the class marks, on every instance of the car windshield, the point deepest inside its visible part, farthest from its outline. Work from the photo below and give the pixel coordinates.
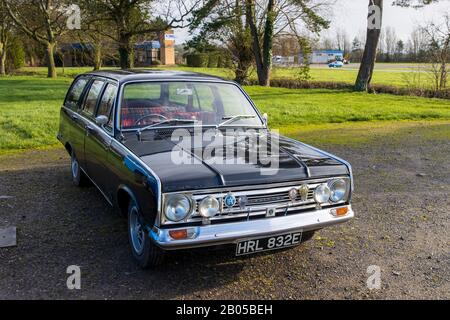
(154, 104)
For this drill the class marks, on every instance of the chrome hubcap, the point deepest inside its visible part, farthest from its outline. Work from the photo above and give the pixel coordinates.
(136, 231)
(74, 167)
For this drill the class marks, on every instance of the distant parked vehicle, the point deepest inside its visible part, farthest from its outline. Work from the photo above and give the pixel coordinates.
(336, 64)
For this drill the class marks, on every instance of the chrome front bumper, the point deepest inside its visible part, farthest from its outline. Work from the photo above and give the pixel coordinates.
(228, 233)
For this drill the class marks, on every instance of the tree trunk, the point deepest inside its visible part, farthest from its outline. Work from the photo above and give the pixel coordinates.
(126, 52)
(241, 72)
(370, 52)
(267, 44)
(2, 59)
(51, 60)
(263, 56)
(443, 78)
(97, 57)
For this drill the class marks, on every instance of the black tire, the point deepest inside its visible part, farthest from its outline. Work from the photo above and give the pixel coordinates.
(79, 178)
(146, 253)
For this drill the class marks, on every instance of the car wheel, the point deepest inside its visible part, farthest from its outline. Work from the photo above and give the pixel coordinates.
(79, 178)
(146, 253)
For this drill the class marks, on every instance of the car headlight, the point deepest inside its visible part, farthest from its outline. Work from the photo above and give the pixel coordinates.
(338, 190)
(322, 193)
(209, 207)
(178, 207)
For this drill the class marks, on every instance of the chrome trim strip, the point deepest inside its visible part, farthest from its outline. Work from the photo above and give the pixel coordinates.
(229, 233)
(99, 189)
(256, 187)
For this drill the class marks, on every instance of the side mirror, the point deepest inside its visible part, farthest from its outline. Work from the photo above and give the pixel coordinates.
(101, 120)
(265, 118)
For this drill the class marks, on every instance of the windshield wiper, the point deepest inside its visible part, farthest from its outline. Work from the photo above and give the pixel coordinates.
(139, 131)
(235, 118)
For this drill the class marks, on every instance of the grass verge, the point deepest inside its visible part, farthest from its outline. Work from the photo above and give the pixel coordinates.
(29, 109)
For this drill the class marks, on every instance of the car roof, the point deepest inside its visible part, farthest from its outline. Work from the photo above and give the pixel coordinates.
(124, 76)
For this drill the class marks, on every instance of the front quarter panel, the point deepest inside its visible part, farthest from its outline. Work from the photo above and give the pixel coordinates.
(131, 175)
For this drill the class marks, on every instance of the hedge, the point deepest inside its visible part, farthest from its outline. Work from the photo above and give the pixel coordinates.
(197, 60)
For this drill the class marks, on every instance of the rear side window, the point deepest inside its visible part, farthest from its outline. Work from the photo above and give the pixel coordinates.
(107, 102)
(75, 93)
(92, 97)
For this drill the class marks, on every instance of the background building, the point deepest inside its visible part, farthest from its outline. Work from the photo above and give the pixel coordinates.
(326, 56)
(146, 53)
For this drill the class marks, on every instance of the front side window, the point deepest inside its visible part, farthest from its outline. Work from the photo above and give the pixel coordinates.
(107, 102)
(92, 97)
(175, 103)
(75, 93)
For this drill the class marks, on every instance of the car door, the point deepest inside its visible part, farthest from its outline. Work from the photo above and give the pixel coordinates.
(72, 126)
(98, 140)
(87, 113)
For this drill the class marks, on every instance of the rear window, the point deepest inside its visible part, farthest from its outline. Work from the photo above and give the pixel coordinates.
(75, 93)
(92, 97)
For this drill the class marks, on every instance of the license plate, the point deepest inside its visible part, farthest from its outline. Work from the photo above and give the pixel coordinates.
(268, 243)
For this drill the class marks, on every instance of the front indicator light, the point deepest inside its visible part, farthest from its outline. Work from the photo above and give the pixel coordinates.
(182, 234)
(339, 212)
(178, 234)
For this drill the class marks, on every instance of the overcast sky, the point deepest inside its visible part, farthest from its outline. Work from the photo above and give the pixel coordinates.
(352, 16)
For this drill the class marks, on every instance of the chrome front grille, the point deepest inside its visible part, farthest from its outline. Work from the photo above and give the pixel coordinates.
(259, 200)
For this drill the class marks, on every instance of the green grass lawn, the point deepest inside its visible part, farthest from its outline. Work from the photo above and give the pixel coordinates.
(400, 75)
(29, 109)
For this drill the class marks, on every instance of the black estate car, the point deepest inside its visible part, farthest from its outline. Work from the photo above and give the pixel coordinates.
(190, 161)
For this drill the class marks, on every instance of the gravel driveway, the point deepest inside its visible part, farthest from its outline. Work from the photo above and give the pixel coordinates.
(402, 226)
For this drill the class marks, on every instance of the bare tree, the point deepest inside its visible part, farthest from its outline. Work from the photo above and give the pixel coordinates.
(132, 18)
(417, 45)
(342, 40)
(267, 18)
(370, 51)
(390, 41)
(42, 20)
(438, 36)
(413, 3)
(225, 24)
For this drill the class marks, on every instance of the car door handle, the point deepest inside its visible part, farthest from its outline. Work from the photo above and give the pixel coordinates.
(74, 117)
(89, 129)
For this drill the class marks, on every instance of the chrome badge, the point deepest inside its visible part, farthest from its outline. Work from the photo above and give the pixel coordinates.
(229, 200)
(303, 190)
(293, 193)
(243, 200)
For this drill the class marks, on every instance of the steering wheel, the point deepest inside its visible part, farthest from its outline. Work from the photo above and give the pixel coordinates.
(150, 115)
